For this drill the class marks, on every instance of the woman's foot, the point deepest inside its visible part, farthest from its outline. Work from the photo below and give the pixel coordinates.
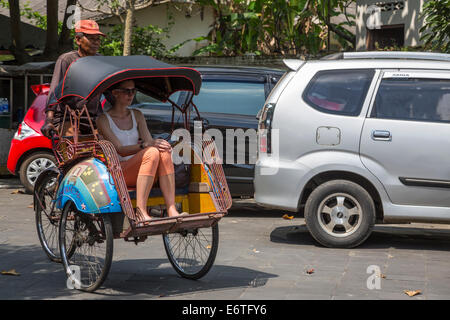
(142, 218)
(172, 212)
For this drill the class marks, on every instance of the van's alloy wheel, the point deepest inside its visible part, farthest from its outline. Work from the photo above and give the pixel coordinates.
(340, 213)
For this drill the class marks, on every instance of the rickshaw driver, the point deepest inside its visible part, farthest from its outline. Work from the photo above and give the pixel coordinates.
(87, 37)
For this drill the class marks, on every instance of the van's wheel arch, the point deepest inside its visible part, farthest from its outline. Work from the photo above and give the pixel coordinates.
(340, 213)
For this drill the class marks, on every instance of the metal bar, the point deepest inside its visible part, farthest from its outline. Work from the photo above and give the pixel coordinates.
(26, 93)
(11, 103)
(389, 55)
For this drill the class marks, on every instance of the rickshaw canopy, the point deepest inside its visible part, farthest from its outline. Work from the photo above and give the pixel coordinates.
(88, 77)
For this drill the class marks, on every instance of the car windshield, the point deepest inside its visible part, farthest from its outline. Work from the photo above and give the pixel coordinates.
(146, 101)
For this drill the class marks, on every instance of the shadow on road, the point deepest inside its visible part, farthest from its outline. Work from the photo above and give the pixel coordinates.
(153, 278)
(381, 237)
(249, 209)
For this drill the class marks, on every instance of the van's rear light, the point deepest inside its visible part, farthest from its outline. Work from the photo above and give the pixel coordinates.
(40, 88)
(265, 128)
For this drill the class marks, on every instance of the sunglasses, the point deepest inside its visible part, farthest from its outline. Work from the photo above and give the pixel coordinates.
(127, 91)
(92, 38)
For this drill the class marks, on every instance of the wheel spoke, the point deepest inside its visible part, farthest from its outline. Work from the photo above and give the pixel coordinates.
(326, 209)
(340, 201)
(353, 212)
(34, 166)
(330, 226)
(347, 225)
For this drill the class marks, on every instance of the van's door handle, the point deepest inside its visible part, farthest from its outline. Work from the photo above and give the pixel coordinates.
(381, 135)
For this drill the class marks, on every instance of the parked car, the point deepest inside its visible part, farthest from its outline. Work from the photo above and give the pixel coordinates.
(229, 99)
(30, 152)
(363, 139)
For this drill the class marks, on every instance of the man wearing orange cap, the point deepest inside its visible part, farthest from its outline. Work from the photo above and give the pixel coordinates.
(87, 37)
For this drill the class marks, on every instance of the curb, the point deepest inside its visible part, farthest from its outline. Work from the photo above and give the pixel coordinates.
(10, 184)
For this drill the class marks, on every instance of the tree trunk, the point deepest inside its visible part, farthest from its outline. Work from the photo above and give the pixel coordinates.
(51, 44)
(65, 42)
(128, 31)
(16, 36)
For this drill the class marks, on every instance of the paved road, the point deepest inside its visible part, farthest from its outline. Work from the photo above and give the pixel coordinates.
(261, 256)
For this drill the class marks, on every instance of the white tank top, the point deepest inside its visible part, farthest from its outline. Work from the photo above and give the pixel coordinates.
(126, 137)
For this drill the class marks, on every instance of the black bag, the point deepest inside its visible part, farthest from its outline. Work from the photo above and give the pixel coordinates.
(182, 171)
(182, 175)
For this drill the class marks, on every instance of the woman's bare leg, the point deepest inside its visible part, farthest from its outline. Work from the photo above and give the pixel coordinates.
(143, 187)
(167, 185)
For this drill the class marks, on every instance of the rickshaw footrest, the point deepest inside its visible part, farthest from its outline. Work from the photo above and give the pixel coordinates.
(174, 224)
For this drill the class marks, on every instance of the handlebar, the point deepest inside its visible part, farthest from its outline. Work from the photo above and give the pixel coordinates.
(53, 137)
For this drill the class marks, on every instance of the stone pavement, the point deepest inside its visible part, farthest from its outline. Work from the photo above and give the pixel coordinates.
(261, 256)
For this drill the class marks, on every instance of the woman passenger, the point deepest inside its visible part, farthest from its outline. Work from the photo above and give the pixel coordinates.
(142, 158)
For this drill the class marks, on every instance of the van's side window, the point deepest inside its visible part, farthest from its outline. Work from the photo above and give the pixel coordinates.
(413, 99)
(339, 91)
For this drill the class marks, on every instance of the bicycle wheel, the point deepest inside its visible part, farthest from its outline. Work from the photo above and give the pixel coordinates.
(47, 216)
(192, 252)
(91, 235)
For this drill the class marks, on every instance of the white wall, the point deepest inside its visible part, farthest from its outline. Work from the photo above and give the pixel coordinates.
(409, 16)
(184, 28)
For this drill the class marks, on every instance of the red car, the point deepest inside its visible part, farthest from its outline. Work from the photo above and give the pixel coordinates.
(30, 152)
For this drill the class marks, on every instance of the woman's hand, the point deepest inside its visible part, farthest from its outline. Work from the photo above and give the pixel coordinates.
(160, 144)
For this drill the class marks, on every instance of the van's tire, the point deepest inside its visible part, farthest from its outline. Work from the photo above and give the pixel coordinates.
(340, 214)
(29, 169)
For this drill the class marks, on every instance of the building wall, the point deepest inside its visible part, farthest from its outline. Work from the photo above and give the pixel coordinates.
(184, 27)
(409, 16)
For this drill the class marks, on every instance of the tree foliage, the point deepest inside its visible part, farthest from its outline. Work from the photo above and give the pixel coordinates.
(39, 20)
(124, 11)
(145, 41)
(436, 31)
(275, 26)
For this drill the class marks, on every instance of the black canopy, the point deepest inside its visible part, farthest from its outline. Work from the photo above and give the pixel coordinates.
(88, 77)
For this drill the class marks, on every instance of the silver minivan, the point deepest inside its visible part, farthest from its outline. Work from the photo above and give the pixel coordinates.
(356, 139)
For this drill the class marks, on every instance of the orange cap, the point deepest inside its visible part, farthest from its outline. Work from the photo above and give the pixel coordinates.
(88, 27)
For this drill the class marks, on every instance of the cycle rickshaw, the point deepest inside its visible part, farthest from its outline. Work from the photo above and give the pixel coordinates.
(83, 204)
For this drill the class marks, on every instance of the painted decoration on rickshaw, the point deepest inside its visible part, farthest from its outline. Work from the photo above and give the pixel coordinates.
(90, 187)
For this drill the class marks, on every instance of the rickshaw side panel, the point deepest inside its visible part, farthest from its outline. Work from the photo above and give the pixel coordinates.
(200, 199)
(90, 187)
